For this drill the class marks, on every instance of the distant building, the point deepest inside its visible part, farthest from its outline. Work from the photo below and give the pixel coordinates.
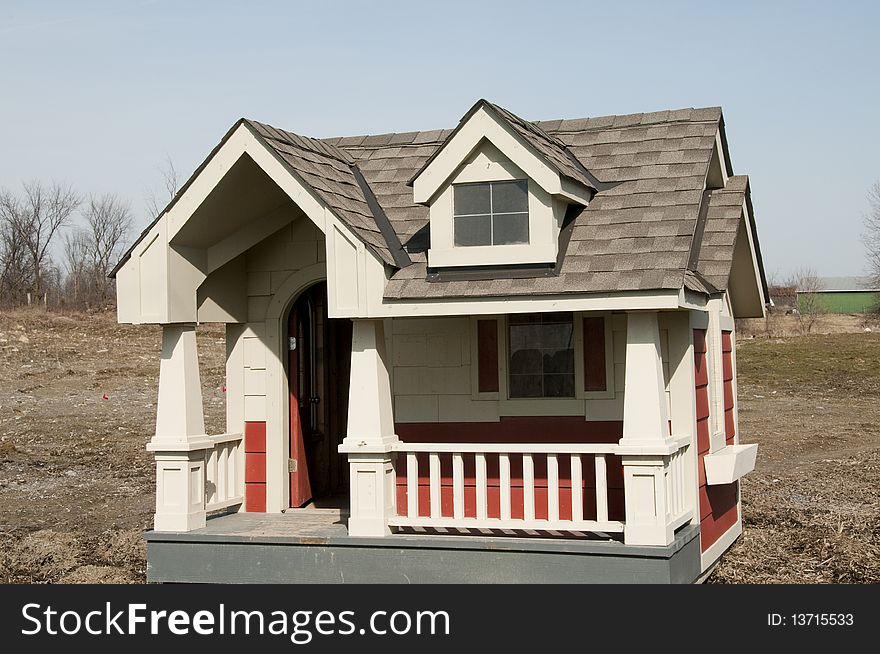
(840, 295)
(784, 298)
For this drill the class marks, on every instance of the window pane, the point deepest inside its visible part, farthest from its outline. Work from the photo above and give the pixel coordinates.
(473, 230)
(558, 385)
(510, 197)
(525, 361)
(560, 361)
(471, 199)
(511, 228)
(526, 386)
(541, 360)
(556, 335)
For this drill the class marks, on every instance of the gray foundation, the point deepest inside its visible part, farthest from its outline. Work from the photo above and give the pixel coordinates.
(314, 548)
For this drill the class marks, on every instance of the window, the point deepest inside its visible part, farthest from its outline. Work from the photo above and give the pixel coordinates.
(541, 360)
(496, 213)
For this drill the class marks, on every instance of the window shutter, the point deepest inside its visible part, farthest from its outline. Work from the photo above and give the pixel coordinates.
(487, 356)
(594, 354)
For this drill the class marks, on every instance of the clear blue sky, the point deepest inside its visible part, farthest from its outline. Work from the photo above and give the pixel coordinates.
(98, 93)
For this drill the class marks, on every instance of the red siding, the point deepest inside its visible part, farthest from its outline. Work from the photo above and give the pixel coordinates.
(718, 512)
(557, 429)
(729, 398)
(255, 467)
(255, 498)
(255, 437)
(487, 356)
(594, 354)
(718, 504)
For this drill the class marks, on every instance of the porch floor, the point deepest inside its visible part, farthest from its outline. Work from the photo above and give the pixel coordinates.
(313, 546)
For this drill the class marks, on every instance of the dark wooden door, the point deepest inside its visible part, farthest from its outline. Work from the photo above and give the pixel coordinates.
(300, 345)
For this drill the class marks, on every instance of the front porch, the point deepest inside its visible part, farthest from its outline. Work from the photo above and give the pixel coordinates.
(312, 546)
(548, 499)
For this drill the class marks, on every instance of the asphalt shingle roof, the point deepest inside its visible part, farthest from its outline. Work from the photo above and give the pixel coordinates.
(636, 235)
(327, 169)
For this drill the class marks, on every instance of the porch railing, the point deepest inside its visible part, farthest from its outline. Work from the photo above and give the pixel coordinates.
(224, 472)
(508, 514)
(542, 487)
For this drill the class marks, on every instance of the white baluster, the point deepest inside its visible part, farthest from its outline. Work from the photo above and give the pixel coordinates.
(552, 488)
(412, 485)
(577, 491)
(601, 489)
(457, 485)
(212, 494)
(222, 465)
(482, 499)
(504, 484)
(528, 466)
(434, 468)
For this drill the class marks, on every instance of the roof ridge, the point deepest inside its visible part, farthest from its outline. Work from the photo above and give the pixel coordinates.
(531, 125)
(386, 146)
(624, 127)
(537, 123)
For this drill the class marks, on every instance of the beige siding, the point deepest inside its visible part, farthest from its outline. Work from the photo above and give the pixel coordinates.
(268, 265)
(433, 379)
(431, 364)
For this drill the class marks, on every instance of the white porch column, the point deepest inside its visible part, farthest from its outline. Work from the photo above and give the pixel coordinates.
(370, 432)
(646, 440)
(683, 402)
(180, 439)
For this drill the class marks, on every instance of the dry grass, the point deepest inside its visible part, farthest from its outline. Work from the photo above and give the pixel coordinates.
(812, 506)
(77, 407)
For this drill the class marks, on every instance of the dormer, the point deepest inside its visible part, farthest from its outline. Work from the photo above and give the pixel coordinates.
(498, 190)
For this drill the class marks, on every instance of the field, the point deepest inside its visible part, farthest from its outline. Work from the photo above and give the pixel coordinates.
(77, 405)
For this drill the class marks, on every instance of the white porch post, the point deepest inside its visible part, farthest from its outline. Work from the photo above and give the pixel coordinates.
(646, 438)
(180, 439)
(370, 432)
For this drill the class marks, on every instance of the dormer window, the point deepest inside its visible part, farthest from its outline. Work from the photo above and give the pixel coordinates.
(494, 213)
(498, 192)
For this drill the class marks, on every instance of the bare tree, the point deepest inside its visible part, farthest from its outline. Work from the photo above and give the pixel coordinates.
(108, 221)
(871, 235)
(34, 219)
(809, 305)
(15, 274)
(156, 202)
(76, 261)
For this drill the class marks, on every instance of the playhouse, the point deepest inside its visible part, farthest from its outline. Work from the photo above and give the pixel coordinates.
(501, 352)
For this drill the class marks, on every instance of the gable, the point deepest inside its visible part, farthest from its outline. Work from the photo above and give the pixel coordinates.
(487, 168)
(244, 192)
(542, 159)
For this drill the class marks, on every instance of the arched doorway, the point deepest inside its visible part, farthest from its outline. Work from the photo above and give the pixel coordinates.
(319, 360)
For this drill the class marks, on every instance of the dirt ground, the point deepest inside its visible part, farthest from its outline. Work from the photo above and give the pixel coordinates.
(77, 406)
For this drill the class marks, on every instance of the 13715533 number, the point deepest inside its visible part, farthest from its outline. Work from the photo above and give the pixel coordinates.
(810, 620)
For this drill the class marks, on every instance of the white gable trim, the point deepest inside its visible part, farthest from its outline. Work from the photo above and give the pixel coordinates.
(484, 125)
(243, 141)
(740, 286)
(159, 282)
